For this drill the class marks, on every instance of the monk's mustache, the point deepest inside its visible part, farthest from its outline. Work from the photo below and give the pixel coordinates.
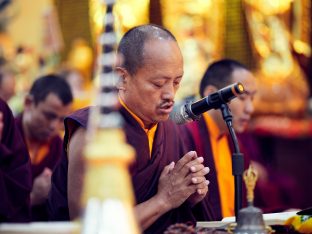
(166, 104)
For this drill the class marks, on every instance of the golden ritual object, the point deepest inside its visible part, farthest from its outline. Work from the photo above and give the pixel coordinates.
(250, 219)
(250, 177)
(107, 196)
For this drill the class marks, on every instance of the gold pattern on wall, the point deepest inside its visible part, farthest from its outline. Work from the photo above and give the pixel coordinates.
(198, 26)
(283, 88)
(302, 27)
(128, 14)
(236, 41)
(73, 18)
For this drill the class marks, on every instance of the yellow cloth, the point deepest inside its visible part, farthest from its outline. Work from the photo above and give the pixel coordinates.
(149, 132)
(301, 223)
(37, 155)
(223, 162)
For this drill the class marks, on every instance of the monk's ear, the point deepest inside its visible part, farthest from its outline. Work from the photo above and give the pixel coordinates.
(123, 76)
(28, 101)
(209, 90)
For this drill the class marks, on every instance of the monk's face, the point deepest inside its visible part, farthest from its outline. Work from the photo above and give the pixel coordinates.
(150, 92)
(45, 119)
(242, 106)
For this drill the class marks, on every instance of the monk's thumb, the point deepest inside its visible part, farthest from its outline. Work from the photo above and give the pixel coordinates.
(168, 168)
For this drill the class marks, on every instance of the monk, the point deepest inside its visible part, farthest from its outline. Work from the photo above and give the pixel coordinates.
(209, 135)
(45, 107)
(15, 179)
(167, 185)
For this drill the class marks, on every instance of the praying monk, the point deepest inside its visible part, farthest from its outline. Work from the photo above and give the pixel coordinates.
(167, 185)
(15, 171)
(45, 107)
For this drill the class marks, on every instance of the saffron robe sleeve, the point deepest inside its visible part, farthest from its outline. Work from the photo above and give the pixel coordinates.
(145, 171)
(15, 172)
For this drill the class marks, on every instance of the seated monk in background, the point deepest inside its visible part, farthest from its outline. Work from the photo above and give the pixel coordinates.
(45, 107)
(167, 185)
(210, 137)
(15, 179)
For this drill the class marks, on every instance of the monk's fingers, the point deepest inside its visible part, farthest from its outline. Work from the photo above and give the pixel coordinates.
(188, 157)
(195, 166)
(198, 177)
(198, 180)
(200, 187)
(204, 171)
(167, 169)
(204, 184)
(203, 189)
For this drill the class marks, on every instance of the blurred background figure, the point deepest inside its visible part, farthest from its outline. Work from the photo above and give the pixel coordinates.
(46, 105)
(7, 82)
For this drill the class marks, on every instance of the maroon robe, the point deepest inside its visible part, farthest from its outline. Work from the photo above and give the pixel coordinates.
(53, 155)
(145, 171)
(15, 172)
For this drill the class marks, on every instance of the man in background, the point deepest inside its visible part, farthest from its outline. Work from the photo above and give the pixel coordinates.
(45, 107)
(210, 138)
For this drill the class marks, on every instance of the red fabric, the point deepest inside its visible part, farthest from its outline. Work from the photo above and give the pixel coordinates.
(15, 172)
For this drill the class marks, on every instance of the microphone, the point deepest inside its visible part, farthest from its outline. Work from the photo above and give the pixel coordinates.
(191, 111)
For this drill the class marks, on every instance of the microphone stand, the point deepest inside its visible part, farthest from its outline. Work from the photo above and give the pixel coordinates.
(237, 159)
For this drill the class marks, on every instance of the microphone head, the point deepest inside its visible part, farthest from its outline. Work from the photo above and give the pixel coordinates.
(176, 114)
(238, 88)
(229, 92)
(182, 114)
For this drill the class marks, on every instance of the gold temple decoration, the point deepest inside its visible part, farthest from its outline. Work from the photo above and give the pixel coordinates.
(198, 26)
(107, 196)
(302, 27)
(236, 40)
(128, 14)
(283, 88)
(250, 177)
